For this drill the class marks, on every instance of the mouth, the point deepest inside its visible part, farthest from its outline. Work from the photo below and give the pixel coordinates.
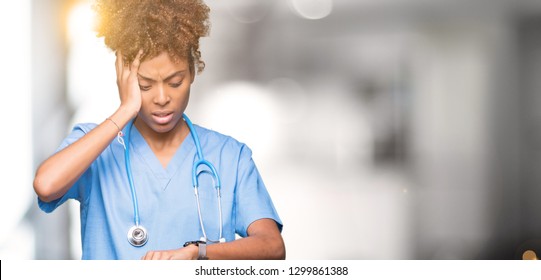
(162, 117)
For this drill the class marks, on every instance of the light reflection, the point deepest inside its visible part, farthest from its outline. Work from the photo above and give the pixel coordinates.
(91, 73)
(80, 21)
(312, 9)
(529, 255)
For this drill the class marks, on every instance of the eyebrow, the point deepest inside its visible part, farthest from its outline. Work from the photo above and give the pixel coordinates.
(178, 73)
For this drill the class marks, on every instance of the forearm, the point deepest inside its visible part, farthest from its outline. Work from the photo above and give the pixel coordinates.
(59, 172)
(264, 242)
(249, 248)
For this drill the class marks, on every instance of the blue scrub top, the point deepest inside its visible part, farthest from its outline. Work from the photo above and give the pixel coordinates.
(167, 204)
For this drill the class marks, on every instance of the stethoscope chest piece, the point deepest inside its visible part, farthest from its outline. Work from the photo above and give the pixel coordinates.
(137, 236)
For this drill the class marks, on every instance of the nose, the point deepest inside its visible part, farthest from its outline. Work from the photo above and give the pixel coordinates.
(161, 97)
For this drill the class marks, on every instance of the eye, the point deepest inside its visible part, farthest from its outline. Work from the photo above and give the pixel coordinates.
(175, 85)
(144, 88)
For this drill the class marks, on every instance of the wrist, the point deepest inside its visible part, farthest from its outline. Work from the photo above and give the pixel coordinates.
(200, 249)
(194, 251)
(123, 115)
(131, 109)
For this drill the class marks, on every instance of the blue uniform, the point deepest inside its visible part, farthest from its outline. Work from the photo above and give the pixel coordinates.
(167, 204)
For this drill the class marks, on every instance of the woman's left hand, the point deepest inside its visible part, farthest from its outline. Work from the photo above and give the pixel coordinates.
(185, 253)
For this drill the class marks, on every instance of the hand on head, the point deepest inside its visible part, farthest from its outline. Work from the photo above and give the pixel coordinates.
(127, 82)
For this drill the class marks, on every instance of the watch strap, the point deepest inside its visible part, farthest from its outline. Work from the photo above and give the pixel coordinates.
(202, 251)
(202, 247)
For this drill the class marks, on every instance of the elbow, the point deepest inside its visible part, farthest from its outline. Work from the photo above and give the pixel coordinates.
(280, 253)
(43, 189)
(279, 249)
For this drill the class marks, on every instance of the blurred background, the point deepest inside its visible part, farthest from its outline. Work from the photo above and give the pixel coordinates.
(383, 129)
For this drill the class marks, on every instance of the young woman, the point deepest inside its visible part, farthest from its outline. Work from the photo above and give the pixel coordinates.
(135, 174)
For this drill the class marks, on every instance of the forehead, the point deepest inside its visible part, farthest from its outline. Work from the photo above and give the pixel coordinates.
(162, 65)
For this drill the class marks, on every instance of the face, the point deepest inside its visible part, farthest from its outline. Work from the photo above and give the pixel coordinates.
(165, 90)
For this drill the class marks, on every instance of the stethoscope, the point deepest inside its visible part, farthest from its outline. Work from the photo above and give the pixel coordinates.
(137, 234)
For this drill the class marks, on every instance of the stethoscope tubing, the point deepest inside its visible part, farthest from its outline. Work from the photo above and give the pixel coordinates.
(214, 174)
(130, 177)
(201, 160)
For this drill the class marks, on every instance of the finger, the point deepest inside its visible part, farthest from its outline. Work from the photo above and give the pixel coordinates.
(156, 256)
(125, 71)
(148, 255)
(124, 66)
(118, 63)
(136, 62)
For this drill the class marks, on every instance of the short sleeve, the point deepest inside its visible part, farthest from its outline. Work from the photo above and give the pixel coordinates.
(81, 187)
(252, 198)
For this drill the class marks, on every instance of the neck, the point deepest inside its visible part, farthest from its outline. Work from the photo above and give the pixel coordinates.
(163, 141)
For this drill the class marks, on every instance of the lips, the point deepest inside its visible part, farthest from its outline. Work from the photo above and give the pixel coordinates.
(162, 117)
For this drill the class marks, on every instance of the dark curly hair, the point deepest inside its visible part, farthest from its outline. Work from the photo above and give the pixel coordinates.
(154, 26)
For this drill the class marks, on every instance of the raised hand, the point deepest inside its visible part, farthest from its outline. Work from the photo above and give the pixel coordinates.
(128, 84)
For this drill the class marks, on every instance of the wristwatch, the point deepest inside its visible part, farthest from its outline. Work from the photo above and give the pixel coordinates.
(202, 245)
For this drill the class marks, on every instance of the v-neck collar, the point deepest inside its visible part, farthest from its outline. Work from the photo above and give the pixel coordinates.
(143, 151)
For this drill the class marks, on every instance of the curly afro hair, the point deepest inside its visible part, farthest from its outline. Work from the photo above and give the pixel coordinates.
(154, 26)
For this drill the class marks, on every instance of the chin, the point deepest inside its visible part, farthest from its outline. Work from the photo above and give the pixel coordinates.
(163, 128)
(166, 127)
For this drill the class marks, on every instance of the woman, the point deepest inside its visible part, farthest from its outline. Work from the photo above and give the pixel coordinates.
(136, 193)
